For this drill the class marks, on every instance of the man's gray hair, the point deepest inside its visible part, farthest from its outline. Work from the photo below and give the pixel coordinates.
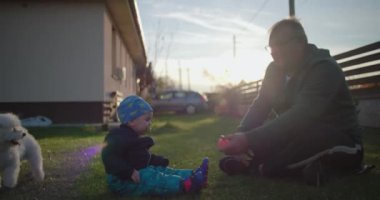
(292, 24)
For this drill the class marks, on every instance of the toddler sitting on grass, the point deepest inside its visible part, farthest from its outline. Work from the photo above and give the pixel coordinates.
(132, 170)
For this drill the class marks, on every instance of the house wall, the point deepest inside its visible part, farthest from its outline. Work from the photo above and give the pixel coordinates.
(116, 56)
(59, 60)
(51, 52)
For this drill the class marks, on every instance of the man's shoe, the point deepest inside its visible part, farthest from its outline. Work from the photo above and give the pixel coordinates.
(231, 166)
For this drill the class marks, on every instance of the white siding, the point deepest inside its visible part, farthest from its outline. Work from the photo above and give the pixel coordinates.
(121, 59)
(51, 52)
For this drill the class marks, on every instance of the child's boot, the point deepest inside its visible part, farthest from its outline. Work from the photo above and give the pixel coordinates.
(204, 169)
(194, 183)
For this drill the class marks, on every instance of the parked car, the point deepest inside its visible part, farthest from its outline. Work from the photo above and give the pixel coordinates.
(179, 101)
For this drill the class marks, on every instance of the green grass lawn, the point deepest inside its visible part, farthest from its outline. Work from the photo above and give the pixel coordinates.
(74, 170)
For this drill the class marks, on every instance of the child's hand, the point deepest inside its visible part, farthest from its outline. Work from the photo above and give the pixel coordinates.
(135, 176)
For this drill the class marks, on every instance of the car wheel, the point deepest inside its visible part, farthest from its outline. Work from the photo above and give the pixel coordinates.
(190, 109)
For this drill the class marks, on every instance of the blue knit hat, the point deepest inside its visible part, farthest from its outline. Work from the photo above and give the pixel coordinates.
(131, 108)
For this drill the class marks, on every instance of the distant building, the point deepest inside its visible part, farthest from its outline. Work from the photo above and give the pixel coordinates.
(66, 59)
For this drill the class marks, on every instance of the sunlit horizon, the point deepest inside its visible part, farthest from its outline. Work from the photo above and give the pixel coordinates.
(206, 74)
(202, 36)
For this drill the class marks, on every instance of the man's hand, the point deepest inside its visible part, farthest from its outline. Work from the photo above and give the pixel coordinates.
(135, 176)
(238, 144)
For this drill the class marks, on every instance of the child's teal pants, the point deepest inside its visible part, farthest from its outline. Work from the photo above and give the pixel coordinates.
(154, 181)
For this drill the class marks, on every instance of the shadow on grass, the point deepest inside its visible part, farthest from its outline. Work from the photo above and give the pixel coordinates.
(62, 132)
(182, 117)
(363, 186)
(185, 140)
(250, 187)
(185, 150)
(166, 128)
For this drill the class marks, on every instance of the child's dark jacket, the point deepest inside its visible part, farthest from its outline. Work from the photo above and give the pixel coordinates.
(124, 150)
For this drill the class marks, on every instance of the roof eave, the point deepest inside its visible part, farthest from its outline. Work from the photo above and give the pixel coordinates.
(126, 17)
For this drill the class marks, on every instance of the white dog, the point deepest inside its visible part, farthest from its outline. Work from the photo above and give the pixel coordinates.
(16, 144)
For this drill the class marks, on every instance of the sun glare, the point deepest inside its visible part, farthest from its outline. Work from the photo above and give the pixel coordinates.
(207, 73)
(248, 66)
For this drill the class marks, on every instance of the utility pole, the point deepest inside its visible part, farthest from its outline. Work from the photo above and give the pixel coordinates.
(180, 75)
(166, 78)
(188, 79)
(167, 57)
(234, 45)
(291, 9)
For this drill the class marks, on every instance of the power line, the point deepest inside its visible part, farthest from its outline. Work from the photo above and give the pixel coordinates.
(259, 10)
(245, 28)
(256, 14)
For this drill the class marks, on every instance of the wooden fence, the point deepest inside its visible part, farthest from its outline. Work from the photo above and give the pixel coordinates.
(248, 91)
(361, 67)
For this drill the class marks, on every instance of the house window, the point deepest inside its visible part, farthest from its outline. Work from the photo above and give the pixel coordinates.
(118, 73)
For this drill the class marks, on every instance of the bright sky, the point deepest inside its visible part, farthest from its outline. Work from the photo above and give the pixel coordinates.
(197, 35)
